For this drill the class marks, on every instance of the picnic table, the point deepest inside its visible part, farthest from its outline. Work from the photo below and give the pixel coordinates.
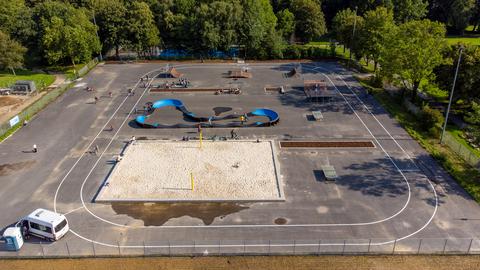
(317, 115)
(329, 172)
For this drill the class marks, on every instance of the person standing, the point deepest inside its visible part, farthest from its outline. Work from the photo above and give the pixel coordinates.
(35, 149)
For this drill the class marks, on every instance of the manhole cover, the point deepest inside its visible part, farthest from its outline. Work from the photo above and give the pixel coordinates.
(280, 221)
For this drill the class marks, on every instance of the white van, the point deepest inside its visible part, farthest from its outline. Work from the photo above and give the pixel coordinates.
(45, 224)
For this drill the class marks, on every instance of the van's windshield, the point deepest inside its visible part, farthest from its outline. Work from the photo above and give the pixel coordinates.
(61, 225)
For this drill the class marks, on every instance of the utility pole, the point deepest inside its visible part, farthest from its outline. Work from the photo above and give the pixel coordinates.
(460, 50)
(96, 32)
(353, 35)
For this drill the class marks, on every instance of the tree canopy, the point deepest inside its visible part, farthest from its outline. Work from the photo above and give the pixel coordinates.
(412, 50)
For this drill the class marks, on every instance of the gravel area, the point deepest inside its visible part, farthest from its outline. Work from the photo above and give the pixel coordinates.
(222, 171)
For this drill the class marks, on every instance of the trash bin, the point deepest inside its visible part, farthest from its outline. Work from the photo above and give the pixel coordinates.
(13, 238)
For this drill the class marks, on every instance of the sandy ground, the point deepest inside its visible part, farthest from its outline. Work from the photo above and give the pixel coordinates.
(222, 170)
(264, 263)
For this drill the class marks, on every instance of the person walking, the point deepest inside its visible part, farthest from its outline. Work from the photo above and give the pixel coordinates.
(35, 149)
(133, 140)
(95, 98)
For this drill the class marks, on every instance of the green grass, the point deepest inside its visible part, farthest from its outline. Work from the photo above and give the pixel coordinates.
(69, 71)
(467, 176)
(470, 40)
(41, 80)
(339, 51)
(457, 134)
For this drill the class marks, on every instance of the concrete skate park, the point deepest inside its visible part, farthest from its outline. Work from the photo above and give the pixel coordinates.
(388, 193)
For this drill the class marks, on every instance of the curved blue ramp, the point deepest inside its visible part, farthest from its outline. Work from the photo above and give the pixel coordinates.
(272, 116)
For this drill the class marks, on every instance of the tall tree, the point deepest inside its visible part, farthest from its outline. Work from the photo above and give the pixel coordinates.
(65, 33)
(408, 10)
(285, 23)
(258, 30)
(343, 24)
(142, 31)
(455, 14)
(110, 17)
(11, 53)
(16, 20)
(378, 24)
(309, 19)
(412, 51)
(468, 81)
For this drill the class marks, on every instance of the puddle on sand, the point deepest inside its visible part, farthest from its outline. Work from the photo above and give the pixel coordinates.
(157, 214)
(8, 169)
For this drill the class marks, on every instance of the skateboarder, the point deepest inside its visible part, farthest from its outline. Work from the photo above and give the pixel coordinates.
(35, 150)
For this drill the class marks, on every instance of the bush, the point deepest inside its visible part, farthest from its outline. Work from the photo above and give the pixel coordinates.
(430, 118)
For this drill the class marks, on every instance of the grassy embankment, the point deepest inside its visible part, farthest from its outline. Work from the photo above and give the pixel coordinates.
(41, 80)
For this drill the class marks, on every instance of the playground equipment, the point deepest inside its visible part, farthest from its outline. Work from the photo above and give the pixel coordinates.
(236, 120)
(171, 73)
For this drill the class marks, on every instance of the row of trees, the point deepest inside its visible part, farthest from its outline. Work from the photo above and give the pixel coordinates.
(61, 31)
(406, 51)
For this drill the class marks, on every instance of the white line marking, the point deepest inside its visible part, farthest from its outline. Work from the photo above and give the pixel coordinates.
(90, 145)
(288, 225)
(260, 225)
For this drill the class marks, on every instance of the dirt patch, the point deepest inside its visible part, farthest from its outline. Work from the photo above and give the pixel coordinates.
(9, 101)
(249, 262)
(8, 169)
(156, 214)
(290, 144)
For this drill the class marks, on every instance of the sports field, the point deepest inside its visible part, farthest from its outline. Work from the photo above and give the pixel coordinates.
(389, 194)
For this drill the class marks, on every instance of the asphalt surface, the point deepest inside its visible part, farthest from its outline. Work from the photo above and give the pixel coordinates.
(390, 195)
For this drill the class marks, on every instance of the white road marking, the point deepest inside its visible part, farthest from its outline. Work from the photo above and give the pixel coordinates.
(90, 145)
(260, 225)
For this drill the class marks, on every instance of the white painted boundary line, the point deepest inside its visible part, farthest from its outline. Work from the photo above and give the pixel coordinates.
(90, 145)
(287, 225)
(376, 119)
(251, 225)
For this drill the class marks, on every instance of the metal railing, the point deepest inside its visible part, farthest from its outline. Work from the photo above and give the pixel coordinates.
(82, 248)
(461, 150)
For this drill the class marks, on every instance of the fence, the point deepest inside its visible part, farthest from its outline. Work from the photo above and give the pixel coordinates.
(80, 248)
(461, 150)
(43, 101)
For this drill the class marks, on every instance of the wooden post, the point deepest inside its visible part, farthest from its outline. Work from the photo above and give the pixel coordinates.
(192, 185)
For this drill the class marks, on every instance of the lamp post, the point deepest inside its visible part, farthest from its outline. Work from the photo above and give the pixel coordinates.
(451, 93)
(353, 34)
(96, 32)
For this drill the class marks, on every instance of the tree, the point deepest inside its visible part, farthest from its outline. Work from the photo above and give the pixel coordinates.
(15, 20)
(455, 14)
(412, 51)
(309, 19)
(467, 86)
(343, 24)
(65, 33)
(285, 23)
(11, 53)
(217, 24)
(473, 116)
(258, 29)
(408, 10)
(110, 17)
(142, 32)
(378, 24)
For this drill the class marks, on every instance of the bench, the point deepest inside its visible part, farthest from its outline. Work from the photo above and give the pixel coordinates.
(317, 115)
(330, 173)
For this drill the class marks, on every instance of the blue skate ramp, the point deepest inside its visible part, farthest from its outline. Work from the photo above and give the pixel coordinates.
(256, 118)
